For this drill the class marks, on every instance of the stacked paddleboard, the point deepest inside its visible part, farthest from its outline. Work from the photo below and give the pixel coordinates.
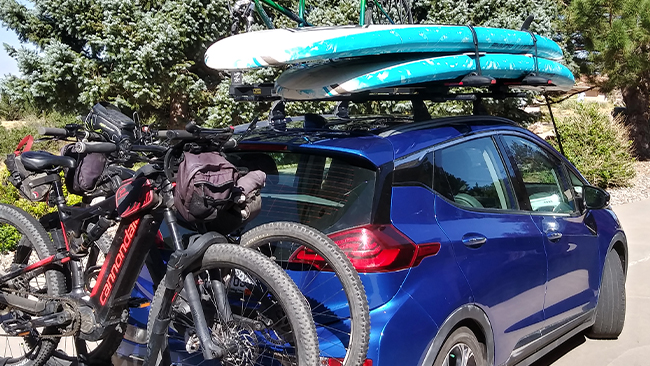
(351, 59)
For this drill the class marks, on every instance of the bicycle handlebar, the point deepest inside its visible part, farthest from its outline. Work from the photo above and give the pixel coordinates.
(95, 147)
(51, 131)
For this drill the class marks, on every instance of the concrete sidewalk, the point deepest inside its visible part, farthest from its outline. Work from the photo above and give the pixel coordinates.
(632, 348)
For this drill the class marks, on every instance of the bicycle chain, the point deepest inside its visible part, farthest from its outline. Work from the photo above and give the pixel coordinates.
(73, 306)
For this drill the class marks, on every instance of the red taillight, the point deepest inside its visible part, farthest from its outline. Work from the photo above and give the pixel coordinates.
(372, 248)
(330, 361)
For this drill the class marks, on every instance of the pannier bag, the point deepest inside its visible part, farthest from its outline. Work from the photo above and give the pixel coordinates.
(107, 120)
(27, 183)
(84, 177)
(209, 189)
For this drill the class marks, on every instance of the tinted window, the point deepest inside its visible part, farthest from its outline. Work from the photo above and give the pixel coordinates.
(323, 192)
(472, 175)
(541, 177)
(415, 169)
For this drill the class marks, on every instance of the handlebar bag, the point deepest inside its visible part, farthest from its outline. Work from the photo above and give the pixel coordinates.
(107, 120)
(210, 189)
(83, 179)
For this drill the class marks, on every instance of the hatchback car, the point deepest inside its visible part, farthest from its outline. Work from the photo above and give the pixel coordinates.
(476, 241)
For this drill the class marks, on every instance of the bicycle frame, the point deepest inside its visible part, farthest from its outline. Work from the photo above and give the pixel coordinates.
(300, 17)
(137, 205)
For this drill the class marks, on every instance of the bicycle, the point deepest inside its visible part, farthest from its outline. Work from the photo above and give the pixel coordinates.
(318, 266)
(370, 12)
(344, 284)
(279, 326)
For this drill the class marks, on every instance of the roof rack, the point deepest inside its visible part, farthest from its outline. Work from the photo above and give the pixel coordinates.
(435, 92)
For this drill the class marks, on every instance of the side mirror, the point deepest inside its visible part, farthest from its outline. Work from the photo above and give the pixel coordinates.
(595, 198)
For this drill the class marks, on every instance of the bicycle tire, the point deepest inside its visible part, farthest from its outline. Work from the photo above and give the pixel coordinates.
(398, 10)
(275, 281)
(103, 349)
(282, 231)
(33, 239)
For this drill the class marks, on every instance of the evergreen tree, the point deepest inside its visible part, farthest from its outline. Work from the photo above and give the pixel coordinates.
(147, 55)
(489, 13)
(144, 54)
(616, 35)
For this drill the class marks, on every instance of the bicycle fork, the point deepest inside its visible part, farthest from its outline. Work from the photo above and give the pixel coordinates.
(176, 280)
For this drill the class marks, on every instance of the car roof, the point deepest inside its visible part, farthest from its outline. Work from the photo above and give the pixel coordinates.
(379, 145)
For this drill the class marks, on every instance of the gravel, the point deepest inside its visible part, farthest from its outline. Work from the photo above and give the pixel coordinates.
(639, 190)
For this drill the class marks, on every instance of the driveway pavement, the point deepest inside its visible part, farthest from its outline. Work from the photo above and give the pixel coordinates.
(632, 348)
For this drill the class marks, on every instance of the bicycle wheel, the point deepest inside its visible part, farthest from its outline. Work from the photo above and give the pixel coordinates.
(270, 323)
(31, 244)
(73, 349)
(388, 12)
(328, 280)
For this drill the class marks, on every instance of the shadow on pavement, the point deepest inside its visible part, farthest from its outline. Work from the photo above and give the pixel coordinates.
(560, 351)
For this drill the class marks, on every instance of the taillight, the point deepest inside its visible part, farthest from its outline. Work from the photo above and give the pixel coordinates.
(372, 248)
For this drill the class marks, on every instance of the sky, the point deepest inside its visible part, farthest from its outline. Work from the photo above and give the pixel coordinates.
(8, 64)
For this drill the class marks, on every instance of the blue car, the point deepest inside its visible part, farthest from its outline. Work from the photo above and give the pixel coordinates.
(476, 241)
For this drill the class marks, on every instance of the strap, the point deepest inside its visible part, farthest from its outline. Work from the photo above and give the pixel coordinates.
(535, 56)
(477, 54)
(24, 145)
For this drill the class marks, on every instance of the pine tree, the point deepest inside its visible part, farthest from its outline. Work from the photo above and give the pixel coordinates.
(143, 55)
(616, 35)
(147, 55)
(489, 13)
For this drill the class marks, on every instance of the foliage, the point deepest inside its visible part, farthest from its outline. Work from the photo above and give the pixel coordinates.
(616, 38)
(142, 55)
(489, 13)
(597, 145)
(148, 55)
(9, 195)
(10, 137)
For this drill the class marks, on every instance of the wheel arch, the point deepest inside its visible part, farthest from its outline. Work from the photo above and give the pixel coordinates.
(619, 244)
(468, 315)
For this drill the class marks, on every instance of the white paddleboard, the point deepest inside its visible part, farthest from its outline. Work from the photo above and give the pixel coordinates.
(276, 47)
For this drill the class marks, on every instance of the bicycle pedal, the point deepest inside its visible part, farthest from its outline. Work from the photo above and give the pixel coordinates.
(16, 327)
(138, 302)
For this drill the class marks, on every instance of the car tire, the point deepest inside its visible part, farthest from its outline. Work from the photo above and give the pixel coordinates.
(610, 310)
(461, 348)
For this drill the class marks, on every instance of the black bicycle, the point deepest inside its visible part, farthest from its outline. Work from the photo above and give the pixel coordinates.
(244, 309)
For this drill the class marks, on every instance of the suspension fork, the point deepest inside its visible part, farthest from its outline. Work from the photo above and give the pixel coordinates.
(175, 280)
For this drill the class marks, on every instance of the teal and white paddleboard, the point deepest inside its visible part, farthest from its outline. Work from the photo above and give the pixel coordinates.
(276, 47)
(341, 77)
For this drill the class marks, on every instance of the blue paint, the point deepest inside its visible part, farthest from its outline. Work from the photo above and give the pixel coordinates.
(344, 77)
(285, 46)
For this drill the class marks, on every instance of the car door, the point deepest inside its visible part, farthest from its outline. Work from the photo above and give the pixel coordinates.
(498, 247)
(569, 232)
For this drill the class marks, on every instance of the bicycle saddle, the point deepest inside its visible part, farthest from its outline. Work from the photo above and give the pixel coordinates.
(38, 161)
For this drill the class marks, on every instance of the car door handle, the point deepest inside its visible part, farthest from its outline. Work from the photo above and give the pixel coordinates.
(474, 240)
(554, 235)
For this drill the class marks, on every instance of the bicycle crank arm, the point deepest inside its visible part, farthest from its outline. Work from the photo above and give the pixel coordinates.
(17, 327)
(33, 307)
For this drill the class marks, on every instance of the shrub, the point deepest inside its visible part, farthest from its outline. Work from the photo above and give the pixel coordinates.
(9, 236)
(597, 145)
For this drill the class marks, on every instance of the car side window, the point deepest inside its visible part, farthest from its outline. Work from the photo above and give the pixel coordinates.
(576, 182)
(541, 176)
(472, 174)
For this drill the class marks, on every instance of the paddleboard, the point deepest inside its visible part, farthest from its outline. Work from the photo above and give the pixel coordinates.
(328, 80)
(276, 47)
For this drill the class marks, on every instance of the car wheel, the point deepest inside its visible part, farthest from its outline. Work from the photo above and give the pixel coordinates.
(461, 348)
(610, 311)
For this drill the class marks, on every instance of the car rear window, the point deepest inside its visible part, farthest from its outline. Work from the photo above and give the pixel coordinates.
(327, 193)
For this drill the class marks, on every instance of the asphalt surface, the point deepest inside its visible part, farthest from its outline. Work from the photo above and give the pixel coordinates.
(632, 348)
